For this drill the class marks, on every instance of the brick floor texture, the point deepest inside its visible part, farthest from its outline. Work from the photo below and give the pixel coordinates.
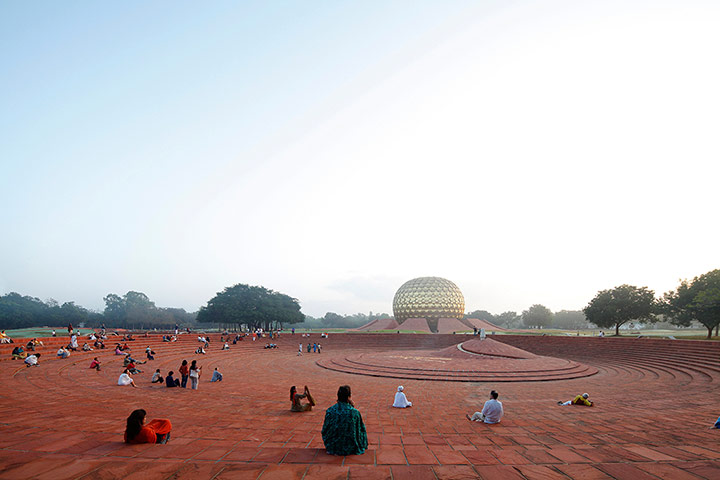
(655, 401)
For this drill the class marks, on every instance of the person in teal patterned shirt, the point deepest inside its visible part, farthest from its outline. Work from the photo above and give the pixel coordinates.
(343, 431)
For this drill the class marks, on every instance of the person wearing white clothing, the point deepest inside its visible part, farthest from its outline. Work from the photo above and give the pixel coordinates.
(492, 411)
(125, 379)
(401, 400)
(32, 360)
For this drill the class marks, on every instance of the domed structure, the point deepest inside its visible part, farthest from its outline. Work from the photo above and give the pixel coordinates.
(429, 298)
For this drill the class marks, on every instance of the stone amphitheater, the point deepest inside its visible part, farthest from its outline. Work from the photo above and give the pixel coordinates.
(654, 403)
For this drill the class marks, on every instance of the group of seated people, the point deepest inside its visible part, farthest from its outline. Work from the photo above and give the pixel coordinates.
(99, 344)
(271, 345)
(63, 352)
(122, 349)
(18, 353)
(128, 338)
(169, 338)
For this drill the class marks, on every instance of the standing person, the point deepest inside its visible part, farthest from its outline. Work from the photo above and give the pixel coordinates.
(184, 373)
(54, 334)
(70, 329)
(300, 350)
(343, 430)
(492, 411)
(194, 375)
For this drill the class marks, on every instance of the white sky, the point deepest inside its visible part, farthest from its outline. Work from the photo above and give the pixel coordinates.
(531, 153)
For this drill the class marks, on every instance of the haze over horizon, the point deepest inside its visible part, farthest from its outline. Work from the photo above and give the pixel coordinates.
(531, 152)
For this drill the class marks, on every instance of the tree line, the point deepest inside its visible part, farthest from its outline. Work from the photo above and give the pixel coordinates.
(536, 316)
(132, 310)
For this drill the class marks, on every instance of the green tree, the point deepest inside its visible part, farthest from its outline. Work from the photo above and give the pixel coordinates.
(537, 316)
(698, 300)
(253, 306)
(621, 305)
(570, 319)
(481, 315)
(507, 319)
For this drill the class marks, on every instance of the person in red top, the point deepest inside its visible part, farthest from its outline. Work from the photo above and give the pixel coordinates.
(95, 364)
(136, 431)
(184, 373)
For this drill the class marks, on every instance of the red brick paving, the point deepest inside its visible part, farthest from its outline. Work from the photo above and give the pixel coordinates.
(654, 403)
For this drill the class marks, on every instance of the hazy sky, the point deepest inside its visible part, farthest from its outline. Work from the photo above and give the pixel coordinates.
(530, 151)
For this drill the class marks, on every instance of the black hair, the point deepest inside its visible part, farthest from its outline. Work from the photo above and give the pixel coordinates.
(344, 393)
(292, 392)
(134, 424)
(494, 394)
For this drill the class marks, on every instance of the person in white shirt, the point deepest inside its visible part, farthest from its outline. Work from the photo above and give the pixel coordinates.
(62, 353)
(492, 411)
(126, 379)
(32, 360)
(401, 400)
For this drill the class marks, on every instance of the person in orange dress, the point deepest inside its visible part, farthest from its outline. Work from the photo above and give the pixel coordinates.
(156, 431)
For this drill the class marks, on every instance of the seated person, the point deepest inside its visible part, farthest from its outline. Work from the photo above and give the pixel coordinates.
(343, 430)
(4, 338)
(226, 346)
(18, 352)
(296, 405)
(30, 346)
(401, 400)
(157, 377)
(149, 353)
(118, 350)
(130, 367)
(579, 400)
(95, 364)
(200, 351)
(492, 411)
(173, 338)
(217, 376)
(157, 431)
(63, 353)
(32, 360)
(126, 379)
(171, 382)
(86, 348)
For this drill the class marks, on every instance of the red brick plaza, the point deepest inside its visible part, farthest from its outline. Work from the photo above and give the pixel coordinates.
(654, 403)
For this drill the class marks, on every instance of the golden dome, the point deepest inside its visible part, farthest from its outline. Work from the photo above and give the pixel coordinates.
(430, 298)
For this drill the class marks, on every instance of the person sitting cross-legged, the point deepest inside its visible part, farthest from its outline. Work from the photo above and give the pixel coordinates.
(401, 400)
(492, 411)
(343, 430)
